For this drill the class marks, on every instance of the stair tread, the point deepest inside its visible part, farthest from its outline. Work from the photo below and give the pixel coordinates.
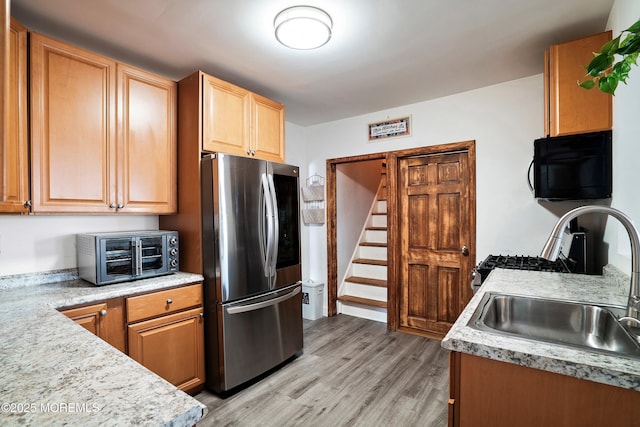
(363, 301)
(374, 244)
(366, 281)
(369, 261)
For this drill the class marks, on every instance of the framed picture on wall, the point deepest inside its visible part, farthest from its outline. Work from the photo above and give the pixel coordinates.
(390, 128)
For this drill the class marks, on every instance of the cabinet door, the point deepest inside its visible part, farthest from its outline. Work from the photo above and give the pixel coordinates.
(72, 128)
(147, 142)
(172, 346)
(267, 118)
(14, 166)
(105, 319)
(491, 393)
(225, 117)
(571, 109)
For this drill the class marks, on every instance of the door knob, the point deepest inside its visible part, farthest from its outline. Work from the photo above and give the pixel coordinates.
(464, 251)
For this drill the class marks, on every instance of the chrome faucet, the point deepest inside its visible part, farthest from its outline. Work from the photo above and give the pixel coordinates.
(551, 250)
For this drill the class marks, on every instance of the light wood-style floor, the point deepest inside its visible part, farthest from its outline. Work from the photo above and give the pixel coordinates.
(353, 373)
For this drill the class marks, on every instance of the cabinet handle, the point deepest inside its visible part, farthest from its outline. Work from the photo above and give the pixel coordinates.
(103, 312)
(120, 205)
(169, 301)
(464, 251)
(202, 315)
(27, 204)
(112, 206)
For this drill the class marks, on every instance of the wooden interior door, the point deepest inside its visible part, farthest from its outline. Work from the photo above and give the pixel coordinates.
(436, 220)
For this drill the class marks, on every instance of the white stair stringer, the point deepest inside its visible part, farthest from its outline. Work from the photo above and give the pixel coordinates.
(363, 291)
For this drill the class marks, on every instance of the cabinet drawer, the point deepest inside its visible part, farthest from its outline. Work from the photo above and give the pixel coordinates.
(163, 302)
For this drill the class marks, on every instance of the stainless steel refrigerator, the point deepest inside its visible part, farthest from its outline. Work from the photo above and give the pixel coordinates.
(251, 257)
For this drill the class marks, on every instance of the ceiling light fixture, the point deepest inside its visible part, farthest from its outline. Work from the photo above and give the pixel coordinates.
(303, 27)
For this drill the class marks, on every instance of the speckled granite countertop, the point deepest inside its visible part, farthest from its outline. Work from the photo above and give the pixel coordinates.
(603, 368)
(54, 372)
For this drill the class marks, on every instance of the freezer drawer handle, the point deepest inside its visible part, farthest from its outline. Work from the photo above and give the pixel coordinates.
(263, 304)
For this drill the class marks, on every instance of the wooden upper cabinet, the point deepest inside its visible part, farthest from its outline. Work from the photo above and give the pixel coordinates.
(225, 117)
(237, 121)
(103, 135)
(147, 142)
(14, 157)
(570, 109)
(268, 128)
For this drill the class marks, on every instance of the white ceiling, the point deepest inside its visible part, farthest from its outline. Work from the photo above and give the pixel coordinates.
(383, 53)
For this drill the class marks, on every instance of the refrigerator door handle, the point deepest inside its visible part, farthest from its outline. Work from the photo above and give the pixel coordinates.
(263, 304)
(276, 226)
(269, 205)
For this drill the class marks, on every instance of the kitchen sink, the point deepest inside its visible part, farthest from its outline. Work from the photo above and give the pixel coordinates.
(587, 326)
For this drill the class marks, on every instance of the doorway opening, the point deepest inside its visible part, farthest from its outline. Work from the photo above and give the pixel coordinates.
(435, 291)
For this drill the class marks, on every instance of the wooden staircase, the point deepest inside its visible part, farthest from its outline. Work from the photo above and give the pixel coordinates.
(363, 292)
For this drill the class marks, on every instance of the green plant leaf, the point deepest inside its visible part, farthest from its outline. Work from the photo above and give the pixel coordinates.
(608, 84)
(599, 64)
(587, 84)
(610, 46)
(635, 28)
(632, 46)
(621, 70)
(603, 71)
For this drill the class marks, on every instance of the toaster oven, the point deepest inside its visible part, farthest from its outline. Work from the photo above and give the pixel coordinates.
(106, 258)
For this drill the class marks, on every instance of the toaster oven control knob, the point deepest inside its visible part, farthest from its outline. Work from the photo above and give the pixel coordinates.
(174, 263)
(103, 312)
(174, 251)
(173, 241)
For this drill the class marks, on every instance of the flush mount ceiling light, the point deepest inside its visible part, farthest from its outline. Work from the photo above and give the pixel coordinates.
(303, 27)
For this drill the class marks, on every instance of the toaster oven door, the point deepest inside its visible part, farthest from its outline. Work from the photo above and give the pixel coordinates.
(127, 258)
(117, 260)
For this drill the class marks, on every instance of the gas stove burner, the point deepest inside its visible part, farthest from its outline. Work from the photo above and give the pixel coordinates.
(515, 262)
(523, 262)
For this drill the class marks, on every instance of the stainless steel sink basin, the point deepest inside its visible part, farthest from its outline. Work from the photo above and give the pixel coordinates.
(575, 324)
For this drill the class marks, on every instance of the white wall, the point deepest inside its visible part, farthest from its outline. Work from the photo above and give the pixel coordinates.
(626, 144)
(38, 243)
(356, 187)
(296, 155)
(503, 120)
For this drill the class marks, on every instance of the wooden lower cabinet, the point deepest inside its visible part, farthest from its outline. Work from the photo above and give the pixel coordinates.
(163, 331)
(170, 342)
(104, 319)
(171, 346)
(485, 392)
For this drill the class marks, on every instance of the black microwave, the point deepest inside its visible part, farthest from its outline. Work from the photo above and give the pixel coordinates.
(106, 258)
(573, 167)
